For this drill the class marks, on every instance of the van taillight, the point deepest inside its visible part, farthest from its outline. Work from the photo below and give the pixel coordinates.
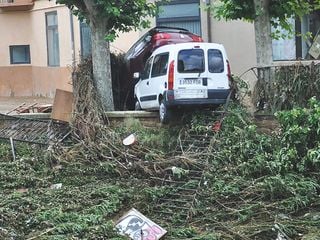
(229, 71)
(171, 75)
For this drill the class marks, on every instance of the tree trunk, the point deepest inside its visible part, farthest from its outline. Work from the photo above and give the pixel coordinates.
(101, 66)
(262, 28)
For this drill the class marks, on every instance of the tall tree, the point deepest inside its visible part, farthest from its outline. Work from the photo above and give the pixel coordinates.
(264, 13)
(106, 18)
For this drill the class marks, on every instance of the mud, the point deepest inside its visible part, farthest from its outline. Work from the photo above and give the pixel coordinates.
(266, 123)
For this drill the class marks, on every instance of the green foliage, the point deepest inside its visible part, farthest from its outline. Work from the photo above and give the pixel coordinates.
(289, 185)
(5, 153)
(159, 140)
(115, 16)
(254, 177)
(192, 233)
(155, 193)
(255, 185)
(280, 10)
(301, 135)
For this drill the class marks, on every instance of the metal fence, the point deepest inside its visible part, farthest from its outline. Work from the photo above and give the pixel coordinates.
(32, 130)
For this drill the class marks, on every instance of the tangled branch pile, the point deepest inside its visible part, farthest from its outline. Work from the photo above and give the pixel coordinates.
(97, 141)
(285, 87)
(260, 186)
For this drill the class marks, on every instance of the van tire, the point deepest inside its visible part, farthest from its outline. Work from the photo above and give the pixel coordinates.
(164, 113)
(137, 106)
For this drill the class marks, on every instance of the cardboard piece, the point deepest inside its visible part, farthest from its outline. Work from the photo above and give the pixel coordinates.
(62, 105)
(136, 226)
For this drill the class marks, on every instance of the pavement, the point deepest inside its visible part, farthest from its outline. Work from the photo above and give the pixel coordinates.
(9, 103)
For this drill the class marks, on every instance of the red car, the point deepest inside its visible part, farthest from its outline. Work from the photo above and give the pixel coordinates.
(138, 54)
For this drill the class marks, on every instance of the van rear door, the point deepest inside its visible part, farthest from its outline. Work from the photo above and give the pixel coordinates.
(190, 81)
(201, 72)
(217, 69)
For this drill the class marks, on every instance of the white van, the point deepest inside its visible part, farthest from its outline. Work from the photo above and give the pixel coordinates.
(183, 75)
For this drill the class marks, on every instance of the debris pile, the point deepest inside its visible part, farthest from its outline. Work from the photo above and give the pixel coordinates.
(284, 87)
(196, 183)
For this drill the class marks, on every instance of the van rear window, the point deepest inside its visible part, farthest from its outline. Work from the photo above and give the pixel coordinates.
(215, 59)
(191, 61)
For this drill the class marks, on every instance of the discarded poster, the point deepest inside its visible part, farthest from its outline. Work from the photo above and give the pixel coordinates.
(138, 227)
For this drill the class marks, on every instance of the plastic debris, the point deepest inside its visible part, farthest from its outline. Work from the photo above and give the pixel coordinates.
(56, 186)
(130, 140)
(136, 226)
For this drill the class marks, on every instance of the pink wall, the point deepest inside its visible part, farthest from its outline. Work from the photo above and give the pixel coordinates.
(33, 81)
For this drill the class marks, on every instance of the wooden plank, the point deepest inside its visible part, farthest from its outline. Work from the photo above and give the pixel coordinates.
(62, 105)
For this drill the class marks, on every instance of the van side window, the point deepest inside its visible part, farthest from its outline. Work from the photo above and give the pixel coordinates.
(160, 65)
(146, 71)
(215, 59)
(191, 61)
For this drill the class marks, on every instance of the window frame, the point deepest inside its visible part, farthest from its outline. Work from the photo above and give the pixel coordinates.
(143, 42)
(47, 31)
(83, 25)
(27, 50)
(146, 69)
(163, 21)
(153, 63)
(222, 58)
(203, 62)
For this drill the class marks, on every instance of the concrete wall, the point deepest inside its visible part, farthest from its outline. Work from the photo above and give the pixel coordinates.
(238, 39)
(16, 81)
(124, 41)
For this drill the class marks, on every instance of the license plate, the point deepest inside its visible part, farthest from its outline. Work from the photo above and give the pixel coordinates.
(190, 93)
(190, 81)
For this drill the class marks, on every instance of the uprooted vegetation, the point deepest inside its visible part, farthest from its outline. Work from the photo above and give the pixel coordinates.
(198, 183)
(287, 86)
(254, 186)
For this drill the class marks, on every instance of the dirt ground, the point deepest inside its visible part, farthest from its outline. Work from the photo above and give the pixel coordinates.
(9, 103)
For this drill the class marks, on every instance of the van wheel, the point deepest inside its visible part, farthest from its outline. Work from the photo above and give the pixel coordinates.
(164, 113)
(137, 106)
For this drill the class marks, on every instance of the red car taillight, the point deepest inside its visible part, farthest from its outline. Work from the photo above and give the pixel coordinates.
(171, 75)
(159, 36)
(196, 38)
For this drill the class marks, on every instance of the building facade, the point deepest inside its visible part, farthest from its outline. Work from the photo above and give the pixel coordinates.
(41, 40)
(36, 48)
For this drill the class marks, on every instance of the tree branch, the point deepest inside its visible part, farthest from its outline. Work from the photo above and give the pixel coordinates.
(92, 11)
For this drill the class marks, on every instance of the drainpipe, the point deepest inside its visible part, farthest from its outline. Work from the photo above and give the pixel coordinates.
(208, 2)
(72, 39)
